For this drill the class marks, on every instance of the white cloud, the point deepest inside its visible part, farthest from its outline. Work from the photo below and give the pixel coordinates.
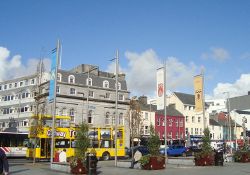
(141, 72)
(13, 68)
(238, 88)
(218, 54)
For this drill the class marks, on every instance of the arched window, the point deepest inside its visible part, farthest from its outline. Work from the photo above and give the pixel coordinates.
(119, 86)
(90, 117)
(59, 77)
(107, 118)
(105, 84)
(89, 81)
(71, 79)
(72, 115)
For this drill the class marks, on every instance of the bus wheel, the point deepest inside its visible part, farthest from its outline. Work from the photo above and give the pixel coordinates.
(106, 156)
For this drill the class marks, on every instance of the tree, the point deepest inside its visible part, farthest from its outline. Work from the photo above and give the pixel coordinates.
(153, 142)
(82, 141)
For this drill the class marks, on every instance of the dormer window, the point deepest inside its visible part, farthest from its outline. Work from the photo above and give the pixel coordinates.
(105, 84)
(59, 77)
(71, 79)
(89, 81)
(119, 86)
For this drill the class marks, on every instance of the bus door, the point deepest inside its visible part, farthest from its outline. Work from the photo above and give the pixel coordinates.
(45, 147)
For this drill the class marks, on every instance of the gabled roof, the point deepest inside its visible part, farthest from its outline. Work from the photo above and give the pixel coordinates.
(185, 98)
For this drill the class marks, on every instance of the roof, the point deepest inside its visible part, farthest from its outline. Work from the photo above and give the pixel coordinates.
(186, 98)
(213, 122)
(242, 112)
(240, 102)
(170, 112)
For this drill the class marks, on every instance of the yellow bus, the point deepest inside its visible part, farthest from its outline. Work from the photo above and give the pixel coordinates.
(101, 139)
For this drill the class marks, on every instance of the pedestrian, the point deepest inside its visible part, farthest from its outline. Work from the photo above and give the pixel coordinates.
(63, 156)
(4, 165)
(137, 157)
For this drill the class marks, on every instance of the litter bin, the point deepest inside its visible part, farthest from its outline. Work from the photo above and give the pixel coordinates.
(218, 159)
(91, 164)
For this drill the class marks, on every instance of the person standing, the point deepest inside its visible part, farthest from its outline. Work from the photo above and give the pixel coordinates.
(4, 164)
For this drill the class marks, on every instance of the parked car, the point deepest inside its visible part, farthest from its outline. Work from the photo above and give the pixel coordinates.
(143, 149)
(174, 150)
(191, 150)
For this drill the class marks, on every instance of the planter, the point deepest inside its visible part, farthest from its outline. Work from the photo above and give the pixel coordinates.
(205, 160)
(155, 163)
(79, 168)
(242, 157)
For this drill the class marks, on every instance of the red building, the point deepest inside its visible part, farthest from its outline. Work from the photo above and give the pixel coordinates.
(175, 124)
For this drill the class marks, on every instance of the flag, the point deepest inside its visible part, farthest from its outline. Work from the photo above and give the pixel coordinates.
(53, 76)
(160, 91)
(198, 92)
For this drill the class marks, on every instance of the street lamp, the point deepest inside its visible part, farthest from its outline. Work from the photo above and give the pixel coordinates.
(229, 119)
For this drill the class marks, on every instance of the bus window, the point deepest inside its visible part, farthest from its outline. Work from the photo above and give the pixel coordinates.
(105, 144)
(62, 143)
(73, 144)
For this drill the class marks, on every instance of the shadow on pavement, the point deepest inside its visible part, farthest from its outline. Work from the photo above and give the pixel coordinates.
(18, 171)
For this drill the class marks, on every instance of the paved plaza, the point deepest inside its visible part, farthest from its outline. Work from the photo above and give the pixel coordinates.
(23, 167)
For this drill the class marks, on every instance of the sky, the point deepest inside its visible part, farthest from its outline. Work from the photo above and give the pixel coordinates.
(188, 35)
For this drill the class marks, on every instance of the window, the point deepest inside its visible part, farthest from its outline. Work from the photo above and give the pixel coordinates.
(120, 97)
(15, 85)
(146, 116)
(10, 86)
(186, 131)
(89, 81)
(64, 112)
(187, 119)
(72, 91)
(57, 89)
(26, 82)
(193, 119)
(158, 122)
(32, 81)
(107, 95)
(90, 116)
(170, 122)
(107, 118)
(177, 135)
(0, 87)
(59, 77)
(200, 131)
(71, 79)
(91, 94)
(199, 119)
(196, 131)
(105, 84)
(176, 122)
(5, 86)
(120, 119)
(170, 134)
(192, 131)
(163, 122)
(146, 130)
(20, 83)
(72, 114)
(181, 123)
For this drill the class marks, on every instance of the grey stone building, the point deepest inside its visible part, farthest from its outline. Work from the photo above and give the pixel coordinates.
(84, 93)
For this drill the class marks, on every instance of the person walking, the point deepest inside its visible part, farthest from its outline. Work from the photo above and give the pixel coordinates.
(4, 164)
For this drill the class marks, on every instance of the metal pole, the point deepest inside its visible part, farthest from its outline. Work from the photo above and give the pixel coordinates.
(116, 102)
(165, 114)
(54, 107)
(229, 121)
(235, 130)
(87, 113)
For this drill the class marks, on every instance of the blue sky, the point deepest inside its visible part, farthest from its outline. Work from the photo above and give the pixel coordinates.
(189, 35)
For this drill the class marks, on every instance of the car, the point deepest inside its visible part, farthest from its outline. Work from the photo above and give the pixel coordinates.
(174, 150)
(143, 149)
(191, 150)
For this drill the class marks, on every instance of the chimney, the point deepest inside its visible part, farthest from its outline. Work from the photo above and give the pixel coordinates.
(143, 99)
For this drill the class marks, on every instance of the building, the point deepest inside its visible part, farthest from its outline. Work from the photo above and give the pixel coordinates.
(185, 104)
(175, 125)
(84, 93)
(216, 106)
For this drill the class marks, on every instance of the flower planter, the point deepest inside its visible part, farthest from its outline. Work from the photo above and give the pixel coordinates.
(79, 168)
(155, 163)
(242, 156)
(205, 160)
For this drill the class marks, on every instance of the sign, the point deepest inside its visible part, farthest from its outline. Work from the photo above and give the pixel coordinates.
(198, 91)
(160, 91)
(53, 76)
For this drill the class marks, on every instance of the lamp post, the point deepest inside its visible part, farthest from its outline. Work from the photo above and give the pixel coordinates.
(82, 103)
(229, 119)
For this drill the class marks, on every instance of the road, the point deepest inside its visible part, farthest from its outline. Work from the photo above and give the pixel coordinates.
(24, 167)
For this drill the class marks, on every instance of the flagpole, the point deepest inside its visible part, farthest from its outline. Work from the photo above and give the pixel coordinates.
(165, 114)
(54, 105)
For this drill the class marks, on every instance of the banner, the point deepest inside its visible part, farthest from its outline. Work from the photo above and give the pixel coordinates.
(53, 76)
(160, 89)
(198, 92)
